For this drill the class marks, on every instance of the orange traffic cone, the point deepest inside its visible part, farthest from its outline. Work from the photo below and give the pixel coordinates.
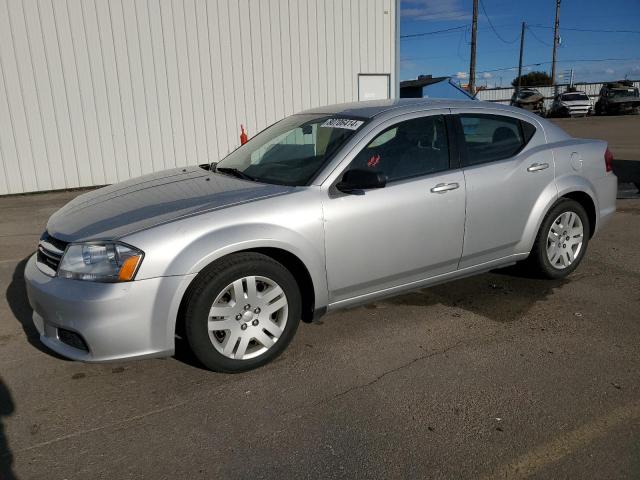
(243, 135)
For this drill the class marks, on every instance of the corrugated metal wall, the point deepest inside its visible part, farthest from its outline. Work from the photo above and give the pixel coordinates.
(97, 91)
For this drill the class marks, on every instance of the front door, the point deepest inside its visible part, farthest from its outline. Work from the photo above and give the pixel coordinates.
(409, 230)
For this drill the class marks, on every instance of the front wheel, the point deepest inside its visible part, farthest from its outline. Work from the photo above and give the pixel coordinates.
(561, 241)
(242, 312)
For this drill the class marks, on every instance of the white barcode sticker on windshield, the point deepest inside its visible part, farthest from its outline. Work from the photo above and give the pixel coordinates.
(347, 123)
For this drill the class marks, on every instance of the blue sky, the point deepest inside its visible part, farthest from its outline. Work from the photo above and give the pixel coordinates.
(447, 53)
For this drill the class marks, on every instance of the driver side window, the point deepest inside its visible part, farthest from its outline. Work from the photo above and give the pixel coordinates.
(408, 149)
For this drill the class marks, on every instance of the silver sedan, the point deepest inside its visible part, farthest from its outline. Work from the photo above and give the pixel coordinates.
(329, 208)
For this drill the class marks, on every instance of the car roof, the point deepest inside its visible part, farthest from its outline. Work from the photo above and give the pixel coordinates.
(390, 108)
(373, 108)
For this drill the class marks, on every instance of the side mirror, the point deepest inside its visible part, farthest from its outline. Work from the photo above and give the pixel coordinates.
(356, 181)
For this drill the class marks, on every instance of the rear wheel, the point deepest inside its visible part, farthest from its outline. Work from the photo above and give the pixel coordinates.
(561, 241)
(242, 312)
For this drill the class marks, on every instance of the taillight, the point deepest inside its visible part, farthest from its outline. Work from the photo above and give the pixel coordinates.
(608, 160)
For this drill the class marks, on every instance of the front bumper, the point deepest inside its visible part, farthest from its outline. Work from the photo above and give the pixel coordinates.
(116, 320)
(576, 111)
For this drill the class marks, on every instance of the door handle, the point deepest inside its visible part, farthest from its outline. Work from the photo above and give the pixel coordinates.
(444, 187)
(536, 167)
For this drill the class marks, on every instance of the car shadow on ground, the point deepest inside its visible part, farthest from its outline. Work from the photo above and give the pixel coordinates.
(628, 171)
(16, 296)
(503, 295)
(184, 354)
(6, 457)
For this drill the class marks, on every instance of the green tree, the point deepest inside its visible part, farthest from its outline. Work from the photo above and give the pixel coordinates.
(533, 79)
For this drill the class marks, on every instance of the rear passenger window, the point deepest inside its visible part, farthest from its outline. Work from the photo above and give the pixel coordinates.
(488, 138)
(408, 149)
(528, 131)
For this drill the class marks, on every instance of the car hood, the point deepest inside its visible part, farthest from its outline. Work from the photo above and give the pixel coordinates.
(123, 208)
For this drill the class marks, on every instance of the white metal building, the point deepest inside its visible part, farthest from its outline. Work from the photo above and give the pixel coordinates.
(97, 91)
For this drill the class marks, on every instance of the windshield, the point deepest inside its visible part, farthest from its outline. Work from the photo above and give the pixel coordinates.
(572, 97)
(626, 92)
(291, 151)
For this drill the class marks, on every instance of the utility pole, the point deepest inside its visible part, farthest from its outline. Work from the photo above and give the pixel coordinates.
(521, 54)
(555, 43)
(571, 81)
(472, 64)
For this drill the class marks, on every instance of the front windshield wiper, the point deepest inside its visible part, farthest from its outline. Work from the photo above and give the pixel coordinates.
(234, 172)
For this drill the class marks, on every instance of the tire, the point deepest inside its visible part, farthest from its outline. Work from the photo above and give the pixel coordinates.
(539, 261)
(255, 335)
(598, 109)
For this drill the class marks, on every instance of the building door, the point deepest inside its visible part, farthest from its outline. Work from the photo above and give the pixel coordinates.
(373, 86)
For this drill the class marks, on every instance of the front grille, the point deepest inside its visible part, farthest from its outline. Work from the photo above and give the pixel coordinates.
(72, 339)
(50, 252)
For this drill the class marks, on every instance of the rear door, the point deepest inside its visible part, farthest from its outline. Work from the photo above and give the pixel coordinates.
(506, 167)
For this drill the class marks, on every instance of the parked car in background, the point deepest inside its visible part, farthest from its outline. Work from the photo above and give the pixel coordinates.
(618, 97)
(529, 99)
(330, 208)
(570, 104)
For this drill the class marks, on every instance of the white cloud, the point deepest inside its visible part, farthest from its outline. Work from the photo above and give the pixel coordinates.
(487, 75)
(635, 68)
(461, 75)
(609, 71)
(430, 10)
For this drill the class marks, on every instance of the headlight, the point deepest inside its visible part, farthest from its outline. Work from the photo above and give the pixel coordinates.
(100, 262)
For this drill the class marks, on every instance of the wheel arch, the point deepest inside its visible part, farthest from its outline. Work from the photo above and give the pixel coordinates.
(289, 260)
(575, 188)
(587, 203)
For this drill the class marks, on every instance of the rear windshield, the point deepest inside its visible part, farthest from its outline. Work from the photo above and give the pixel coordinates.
(572, 97)
(626, 92)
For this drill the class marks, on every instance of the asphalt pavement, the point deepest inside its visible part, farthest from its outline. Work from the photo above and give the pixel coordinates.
(621, 131)
(495, 376)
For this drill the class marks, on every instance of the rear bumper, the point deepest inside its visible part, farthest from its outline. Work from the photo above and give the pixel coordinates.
(606, 189)
(115, 320)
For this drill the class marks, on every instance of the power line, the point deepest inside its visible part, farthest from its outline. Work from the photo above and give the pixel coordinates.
(562, 61)
(533, 34)
(590, 30)
(463, 36)
(493, 28)
(414, 35)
